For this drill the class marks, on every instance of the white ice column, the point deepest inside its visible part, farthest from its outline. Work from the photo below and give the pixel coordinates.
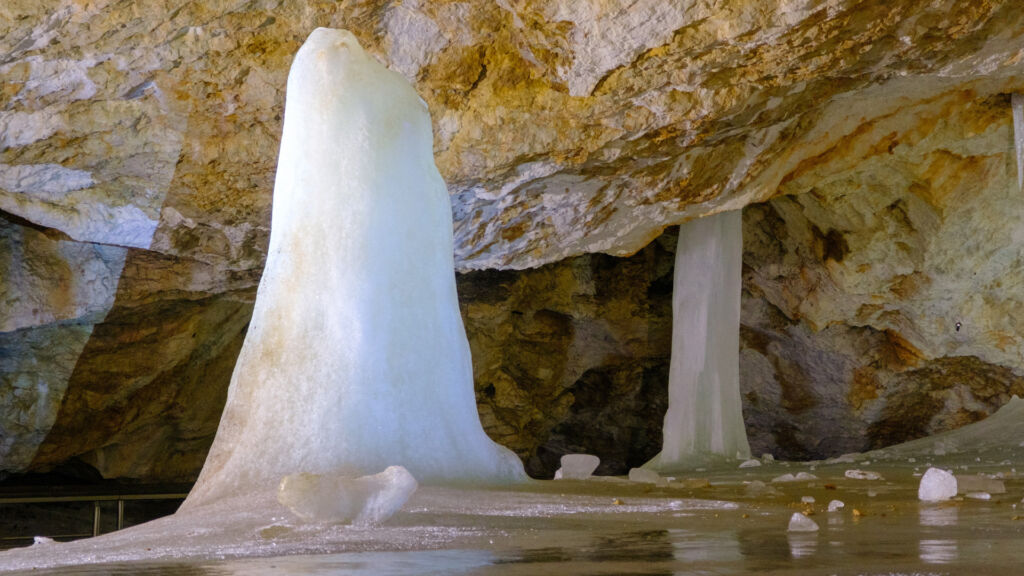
(704, 421)
(356, 358)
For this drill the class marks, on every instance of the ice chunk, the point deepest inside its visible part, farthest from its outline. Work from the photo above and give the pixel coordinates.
(800, 523)
(807, 499)
(37, 540)
(978, 483)
(863, 475)
(704, 420)
(579, 466)
(758, 488)
(937, 485)
(836, 505)
(750, 463)
(366, 500)
(979, 495)
(767, 458)
(647, 476)
(799, 477)
(356, 357)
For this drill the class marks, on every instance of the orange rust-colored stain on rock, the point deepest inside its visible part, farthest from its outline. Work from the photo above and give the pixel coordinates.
(864, 387)
(907, 285)
(837, 150)
(515, 231)
(898, 353)
(949, 175)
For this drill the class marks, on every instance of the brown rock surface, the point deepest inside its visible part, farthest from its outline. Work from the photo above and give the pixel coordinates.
(143, 135)
(572, 357)
(881, 301)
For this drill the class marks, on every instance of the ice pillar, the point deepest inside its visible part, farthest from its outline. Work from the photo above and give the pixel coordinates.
(704, 421)
(356, 358)
(1017, 104)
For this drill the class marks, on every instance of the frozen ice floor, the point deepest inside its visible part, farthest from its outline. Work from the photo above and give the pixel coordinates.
(711, 522)
(608, 526)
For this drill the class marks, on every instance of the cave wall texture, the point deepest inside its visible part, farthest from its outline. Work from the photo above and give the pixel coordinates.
(870, 141)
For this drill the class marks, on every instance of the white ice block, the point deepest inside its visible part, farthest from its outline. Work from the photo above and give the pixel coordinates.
(579, 466)
(862, 475)
(800, 523)
(936, 485)
(362, 501)
(646, 476)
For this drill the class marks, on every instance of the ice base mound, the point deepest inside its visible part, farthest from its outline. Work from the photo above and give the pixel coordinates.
(334, 499)
(1001, 435)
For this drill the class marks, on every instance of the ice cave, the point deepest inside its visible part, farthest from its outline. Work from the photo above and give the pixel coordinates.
(511, 288)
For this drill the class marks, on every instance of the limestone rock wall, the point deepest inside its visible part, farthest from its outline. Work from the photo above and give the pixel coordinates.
(138, 140)
(883, 298)
(573, 356)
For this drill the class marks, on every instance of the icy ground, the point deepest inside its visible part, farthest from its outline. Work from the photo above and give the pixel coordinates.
(724, 521)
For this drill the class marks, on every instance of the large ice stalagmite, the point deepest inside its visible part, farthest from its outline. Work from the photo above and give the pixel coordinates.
(356, 358)
(704, 422)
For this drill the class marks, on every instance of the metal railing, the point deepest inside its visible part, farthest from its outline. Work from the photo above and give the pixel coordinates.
(97, 499)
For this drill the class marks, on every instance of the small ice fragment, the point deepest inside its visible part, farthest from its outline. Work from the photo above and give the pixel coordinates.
(836, 505)
(646, 476)
(979, 495)
(911, 460)
(752, 463)
(977, 483)
(579, 466)
(42, 540)
(365, 500)
(800, 523)
(863, 475)
(558, 474)
(799, 477)
(937, 485)
(872, 493)
(767, 458)
(758, 488)
(807, 499)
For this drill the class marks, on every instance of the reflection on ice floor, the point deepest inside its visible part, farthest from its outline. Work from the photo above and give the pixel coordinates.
(612, 526)
(576, 528)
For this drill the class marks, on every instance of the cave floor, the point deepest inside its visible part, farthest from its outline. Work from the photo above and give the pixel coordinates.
(704, 523)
